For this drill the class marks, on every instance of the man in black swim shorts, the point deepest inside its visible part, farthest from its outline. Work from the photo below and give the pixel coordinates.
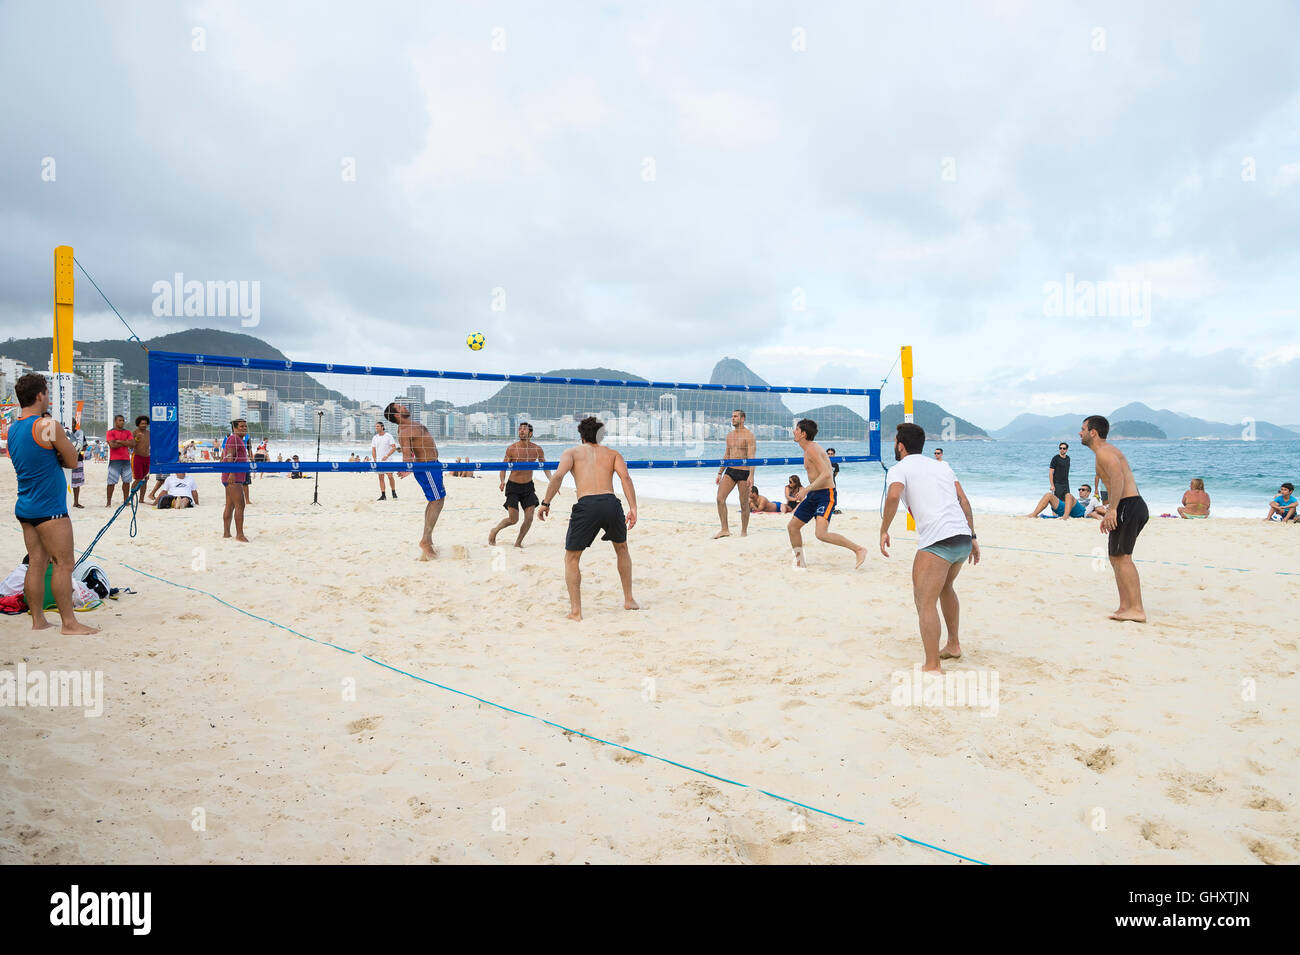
(740, 444)
(518, 485)
(594, 467)
(1123, 521)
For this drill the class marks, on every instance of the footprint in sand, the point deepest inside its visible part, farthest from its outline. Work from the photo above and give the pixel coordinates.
(365, 723)
(1100, 759)
(1162, 835)
(1266, 852)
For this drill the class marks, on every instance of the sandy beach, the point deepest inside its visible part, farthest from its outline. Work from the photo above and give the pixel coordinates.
(225, 738)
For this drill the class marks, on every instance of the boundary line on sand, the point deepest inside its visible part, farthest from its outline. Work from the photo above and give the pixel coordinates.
(540, 719)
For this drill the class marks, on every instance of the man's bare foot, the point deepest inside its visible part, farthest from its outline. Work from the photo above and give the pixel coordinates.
(862, 557)
(744, 533)
(428, 552)
(721, 534)
(936, 669)
(574, 615)
(1135, 616)
(492, 539)
(79, 505)
(43, 625)
(631, 604)
(950, 652)
(79, 629)
(226, 535)
(241, 538)
(519, 544)
(799, 562)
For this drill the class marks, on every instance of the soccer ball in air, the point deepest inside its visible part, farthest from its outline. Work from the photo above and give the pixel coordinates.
(476, 341)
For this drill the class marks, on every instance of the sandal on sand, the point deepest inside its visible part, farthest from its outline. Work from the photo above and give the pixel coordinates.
(945, 655)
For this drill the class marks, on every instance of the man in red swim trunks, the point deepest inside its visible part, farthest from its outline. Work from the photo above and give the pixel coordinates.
(140, 453)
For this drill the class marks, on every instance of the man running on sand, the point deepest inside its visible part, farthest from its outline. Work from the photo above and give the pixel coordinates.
(418, 445)
(945, 530)
(597, 509)
(1125, 518)
(39, 449)
(518, 485)
(817, 498)
(740, 444)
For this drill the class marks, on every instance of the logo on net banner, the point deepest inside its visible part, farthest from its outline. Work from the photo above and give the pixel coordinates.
(163, 413)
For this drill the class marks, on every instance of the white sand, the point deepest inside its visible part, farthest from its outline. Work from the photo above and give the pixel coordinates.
(774, 678)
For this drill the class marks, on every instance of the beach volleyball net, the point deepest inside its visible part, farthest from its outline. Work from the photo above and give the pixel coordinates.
(474, 416)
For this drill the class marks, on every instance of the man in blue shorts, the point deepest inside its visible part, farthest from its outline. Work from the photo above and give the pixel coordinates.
(418, 445)
(945, 530)
(1059, 506)
(817, 499)
(39, 449)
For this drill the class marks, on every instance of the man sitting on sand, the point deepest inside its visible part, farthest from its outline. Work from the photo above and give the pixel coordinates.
(1064, 509)
(818, 499)
(597, 509)
(1196, 503)
(1092, 505)
(179, 491)
(39, 449)
(945, 530)
(761, 505)
(1283, 507)
(418, 445)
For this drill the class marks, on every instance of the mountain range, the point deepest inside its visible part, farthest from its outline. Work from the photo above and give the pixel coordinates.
(1173, 424)
(1131, 420)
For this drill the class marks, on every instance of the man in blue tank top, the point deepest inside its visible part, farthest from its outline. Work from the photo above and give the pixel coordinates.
(39, 449)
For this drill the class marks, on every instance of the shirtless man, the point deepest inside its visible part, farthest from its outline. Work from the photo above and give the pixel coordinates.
(597, 509)
(140, 454)
(1124, 519)
(817, 498)
(761, 505)
(418, 445)
(740, 444)
(520, 494)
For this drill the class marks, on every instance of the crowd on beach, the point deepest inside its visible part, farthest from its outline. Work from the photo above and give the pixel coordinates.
(1092, 502)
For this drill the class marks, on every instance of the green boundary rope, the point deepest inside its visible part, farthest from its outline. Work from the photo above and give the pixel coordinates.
(540, 719)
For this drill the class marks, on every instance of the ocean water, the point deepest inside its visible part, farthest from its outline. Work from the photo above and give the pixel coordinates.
(999, 477)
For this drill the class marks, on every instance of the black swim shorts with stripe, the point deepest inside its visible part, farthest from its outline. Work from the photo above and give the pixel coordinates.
(1131, 515)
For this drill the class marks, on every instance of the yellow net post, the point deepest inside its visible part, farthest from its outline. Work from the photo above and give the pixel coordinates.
(907, 405)
(61, 353)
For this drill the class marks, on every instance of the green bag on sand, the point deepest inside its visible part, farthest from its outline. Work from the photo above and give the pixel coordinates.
(52, 604)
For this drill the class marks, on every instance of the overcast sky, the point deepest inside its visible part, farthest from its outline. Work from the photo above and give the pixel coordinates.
(656, 186)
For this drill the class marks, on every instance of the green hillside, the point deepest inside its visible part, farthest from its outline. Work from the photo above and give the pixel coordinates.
(930, 417)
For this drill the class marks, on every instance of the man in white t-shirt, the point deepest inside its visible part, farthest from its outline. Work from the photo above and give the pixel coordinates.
(179, 491)
(382, 447)
(945, 530)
